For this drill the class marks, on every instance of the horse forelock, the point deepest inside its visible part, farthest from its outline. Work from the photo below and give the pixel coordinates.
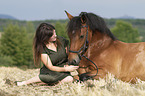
(74, 24)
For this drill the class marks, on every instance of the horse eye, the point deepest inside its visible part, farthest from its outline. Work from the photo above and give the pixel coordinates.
(82, 36)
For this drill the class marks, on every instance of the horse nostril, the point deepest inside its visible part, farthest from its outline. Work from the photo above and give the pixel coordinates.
(74, 62)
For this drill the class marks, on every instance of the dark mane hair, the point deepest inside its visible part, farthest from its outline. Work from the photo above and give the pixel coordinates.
(95, 22)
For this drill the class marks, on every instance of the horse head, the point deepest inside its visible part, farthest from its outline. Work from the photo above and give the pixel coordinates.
(80, 35)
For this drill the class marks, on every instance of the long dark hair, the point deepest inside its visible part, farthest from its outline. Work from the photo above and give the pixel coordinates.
(43, 33)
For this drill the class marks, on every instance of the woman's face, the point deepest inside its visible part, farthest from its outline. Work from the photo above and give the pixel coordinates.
(53, 38)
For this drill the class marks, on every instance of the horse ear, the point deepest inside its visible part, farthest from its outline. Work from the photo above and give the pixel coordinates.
(69, 15)
(83, 17)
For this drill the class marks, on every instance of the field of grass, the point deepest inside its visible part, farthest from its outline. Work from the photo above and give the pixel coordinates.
(108, 87)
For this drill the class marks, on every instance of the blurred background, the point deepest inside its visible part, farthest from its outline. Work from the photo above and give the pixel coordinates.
(20, 18)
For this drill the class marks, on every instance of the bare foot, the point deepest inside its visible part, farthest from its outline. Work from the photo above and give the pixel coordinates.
(19, 83)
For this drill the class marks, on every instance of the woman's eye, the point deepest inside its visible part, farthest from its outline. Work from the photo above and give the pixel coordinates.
(82, 36)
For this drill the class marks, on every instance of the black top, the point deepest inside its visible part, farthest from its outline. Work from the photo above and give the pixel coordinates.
(58, 58)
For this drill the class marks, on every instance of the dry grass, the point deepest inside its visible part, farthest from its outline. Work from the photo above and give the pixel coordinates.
(108, 87)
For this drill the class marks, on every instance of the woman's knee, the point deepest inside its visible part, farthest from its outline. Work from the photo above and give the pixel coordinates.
(68, 79)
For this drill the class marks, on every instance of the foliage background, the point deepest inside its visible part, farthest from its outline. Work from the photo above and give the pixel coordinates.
(16, 51)
(16, 37)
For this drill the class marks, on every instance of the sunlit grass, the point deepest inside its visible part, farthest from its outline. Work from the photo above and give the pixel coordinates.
(101, 87)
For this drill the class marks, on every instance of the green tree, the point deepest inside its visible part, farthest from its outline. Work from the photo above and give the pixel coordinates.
(61, 29)
(15, 43)
(30, 29)
(125, 32)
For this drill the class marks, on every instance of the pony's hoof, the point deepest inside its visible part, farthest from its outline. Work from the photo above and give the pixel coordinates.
(84, 77)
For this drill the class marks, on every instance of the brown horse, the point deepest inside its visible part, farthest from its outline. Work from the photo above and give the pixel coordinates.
(98, 52)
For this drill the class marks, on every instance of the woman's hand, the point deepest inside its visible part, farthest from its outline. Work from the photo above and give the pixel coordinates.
(70, 68)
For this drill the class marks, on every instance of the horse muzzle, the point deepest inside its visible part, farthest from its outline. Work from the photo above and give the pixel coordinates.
(74, 59)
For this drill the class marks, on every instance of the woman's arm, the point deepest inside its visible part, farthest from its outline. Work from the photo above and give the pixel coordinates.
(66, 48)
(46, 60)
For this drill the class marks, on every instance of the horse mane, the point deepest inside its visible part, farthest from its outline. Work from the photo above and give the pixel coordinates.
(95, 22)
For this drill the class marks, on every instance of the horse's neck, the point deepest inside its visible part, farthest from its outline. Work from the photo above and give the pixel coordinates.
(99, 42)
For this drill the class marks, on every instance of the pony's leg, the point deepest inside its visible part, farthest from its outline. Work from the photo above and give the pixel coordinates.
(76, 78)
(93, 75)
(80, 71)
(100, 74)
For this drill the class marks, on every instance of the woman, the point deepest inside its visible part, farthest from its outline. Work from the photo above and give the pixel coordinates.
(50, 49)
